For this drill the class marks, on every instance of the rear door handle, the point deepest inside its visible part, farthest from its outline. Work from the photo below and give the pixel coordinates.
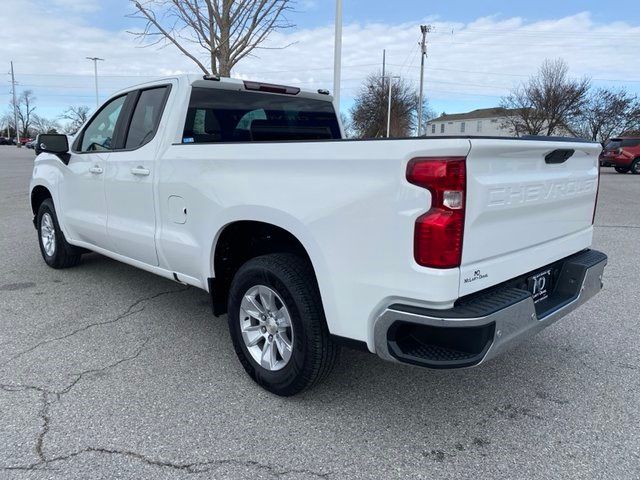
(140, 171)
(97, 169)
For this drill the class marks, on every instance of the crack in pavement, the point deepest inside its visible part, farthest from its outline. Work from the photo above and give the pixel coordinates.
(127, 313)
(47, 395)
(192, 467)
(50, 397)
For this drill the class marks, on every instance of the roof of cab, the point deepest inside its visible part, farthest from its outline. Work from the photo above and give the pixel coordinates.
(213, 81)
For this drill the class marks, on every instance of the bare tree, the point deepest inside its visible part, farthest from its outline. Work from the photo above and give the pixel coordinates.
(369, 112)
(76, 117)
(44, 125)
(6, 125)
(225, 30)
(548, 103)
(25, 107)
(608, 113)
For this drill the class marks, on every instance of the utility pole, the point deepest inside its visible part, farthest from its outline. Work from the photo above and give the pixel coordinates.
(391, 79)
(423, 46)
(384, 65)
(15, 106)
(95, 74)
(337, 56)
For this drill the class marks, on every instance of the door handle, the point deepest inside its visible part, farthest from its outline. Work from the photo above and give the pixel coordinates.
(140, 171)
(97, 169)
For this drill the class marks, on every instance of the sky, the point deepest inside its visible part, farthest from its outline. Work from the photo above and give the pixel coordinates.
(478, 51)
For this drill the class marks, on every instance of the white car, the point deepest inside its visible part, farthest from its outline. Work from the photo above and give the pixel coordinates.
(438, 252)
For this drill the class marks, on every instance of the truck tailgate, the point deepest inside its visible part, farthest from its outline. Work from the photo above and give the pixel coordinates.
(524, 210)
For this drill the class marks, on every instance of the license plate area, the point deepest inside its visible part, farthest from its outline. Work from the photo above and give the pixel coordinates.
(540, 285)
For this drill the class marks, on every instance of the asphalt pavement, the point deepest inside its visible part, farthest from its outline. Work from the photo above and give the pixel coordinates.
(107, 372)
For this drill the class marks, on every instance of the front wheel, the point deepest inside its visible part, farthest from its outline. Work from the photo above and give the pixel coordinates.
(56, 252)
(635, 167)
(622, 169)
(277, 324)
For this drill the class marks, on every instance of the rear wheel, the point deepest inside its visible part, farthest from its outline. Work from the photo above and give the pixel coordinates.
(635, 166)
(56, 252)
(622, 169)
(277, 324)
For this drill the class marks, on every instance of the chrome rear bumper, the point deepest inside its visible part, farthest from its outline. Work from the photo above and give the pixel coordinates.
(488, 323)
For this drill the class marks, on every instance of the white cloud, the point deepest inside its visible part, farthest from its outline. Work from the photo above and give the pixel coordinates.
(77, 6)
(484, 58)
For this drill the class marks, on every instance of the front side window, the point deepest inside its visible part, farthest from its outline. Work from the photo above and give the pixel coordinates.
(98, 135)
(146, 117)
(217, 115)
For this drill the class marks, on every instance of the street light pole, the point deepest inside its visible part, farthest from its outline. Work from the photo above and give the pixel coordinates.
(95, 74)
(391, 79)
(337, 56)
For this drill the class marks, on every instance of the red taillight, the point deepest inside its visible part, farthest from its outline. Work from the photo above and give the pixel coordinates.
(439, 232)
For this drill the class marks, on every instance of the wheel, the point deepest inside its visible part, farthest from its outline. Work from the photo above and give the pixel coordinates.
(277, 324)
(635, 167)
(57, 253)
(622, 169)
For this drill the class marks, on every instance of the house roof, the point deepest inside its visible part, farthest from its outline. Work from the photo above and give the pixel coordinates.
(475, 114)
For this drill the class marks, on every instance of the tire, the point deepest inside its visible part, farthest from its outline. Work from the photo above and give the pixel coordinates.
(635, 167)
(622, 169)
(312, 354)
(56, 252)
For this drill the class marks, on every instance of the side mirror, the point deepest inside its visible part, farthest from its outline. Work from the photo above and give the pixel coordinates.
(52, 143)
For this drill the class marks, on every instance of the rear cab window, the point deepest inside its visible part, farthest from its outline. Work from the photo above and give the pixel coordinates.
(219, 115)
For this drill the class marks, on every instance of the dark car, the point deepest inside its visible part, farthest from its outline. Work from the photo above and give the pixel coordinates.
(622, 153)
(6, 141)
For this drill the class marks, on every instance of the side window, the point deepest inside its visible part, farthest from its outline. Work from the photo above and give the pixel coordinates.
(98, 136)
(146, 117)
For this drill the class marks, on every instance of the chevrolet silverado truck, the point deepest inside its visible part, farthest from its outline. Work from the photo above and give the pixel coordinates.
(438, 252)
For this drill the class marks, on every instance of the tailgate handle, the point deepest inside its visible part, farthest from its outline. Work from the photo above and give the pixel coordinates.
(559, 156)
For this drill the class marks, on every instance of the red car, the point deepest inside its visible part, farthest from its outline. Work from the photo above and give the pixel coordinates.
(623, 153)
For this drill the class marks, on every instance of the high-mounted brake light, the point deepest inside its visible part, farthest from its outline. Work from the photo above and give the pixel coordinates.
(271, 88)
(439, 232)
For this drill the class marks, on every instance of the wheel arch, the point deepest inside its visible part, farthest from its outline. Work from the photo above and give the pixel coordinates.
(241, 240)
(39, 193)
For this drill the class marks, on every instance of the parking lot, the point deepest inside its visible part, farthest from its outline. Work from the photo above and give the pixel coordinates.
(107, 372)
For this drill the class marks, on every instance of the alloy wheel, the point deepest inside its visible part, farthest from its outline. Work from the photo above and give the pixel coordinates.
(267, 331)
(48, 234)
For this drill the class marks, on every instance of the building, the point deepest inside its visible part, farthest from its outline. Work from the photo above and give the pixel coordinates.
(483, 122)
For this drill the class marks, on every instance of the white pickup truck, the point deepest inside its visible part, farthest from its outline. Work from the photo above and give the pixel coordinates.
(439, 252)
